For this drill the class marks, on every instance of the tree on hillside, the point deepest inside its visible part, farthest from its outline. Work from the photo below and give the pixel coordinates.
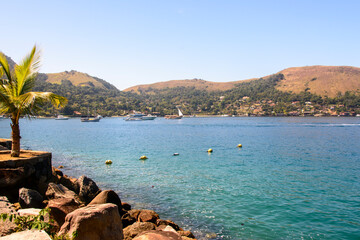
(16, 97)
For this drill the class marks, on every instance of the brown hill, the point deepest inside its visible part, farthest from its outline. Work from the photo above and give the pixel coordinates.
(197, 83)
(321, 80)
(78, 79)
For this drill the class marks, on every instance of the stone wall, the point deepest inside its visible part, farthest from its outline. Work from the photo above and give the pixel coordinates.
(6, 143)
(32, 170)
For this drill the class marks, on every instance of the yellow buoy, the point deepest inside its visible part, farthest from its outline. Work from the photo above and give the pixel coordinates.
(239, 145)
(209, 150)
(143, 157)
(108, 162)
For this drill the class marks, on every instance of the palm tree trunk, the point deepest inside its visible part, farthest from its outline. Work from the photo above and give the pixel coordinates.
(15, 136)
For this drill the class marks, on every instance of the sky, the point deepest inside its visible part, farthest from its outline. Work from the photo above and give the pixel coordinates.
(132, 42)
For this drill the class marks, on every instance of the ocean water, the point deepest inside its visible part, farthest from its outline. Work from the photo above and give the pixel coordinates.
(294, 178)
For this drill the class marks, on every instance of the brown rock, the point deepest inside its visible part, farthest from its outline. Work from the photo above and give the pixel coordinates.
(187, 238)
(148, 216)
(160, 222)
(127, 219)
(59, 191)
(158, 235)
(137, 228)
(6, 227)
(60, 207)
(134, 213)
(69, 182)
(108, 196)
(126, 206)
(87, 189)
(187, 234)
(93, 222)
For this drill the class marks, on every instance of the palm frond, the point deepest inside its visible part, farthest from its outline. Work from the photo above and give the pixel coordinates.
(5, 67)
(35, 99)
(26, 72)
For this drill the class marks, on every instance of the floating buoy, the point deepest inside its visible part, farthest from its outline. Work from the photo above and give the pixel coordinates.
(239, 145)
(209, 150)
(108, 162)
(176, 154)
(143, 157)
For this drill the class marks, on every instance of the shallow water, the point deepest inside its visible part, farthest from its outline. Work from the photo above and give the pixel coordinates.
(294, 178)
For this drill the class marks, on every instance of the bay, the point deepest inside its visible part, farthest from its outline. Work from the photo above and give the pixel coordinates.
(294, 178)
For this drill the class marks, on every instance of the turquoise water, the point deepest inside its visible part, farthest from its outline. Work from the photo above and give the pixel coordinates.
(294, 178)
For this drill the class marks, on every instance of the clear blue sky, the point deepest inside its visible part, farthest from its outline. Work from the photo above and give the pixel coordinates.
(140, 41)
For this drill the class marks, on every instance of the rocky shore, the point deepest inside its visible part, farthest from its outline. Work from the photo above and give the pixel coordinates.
(72, 208)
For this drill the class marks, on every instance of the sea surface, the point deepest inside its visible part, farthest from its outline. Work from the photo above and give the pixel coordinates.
(294, 178)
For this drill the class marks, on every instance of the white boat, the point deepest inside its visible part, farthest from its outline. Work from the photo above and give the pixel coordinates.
(134, 117)
(148, 117)
(175, 116)
(139, 117)
(61, 117)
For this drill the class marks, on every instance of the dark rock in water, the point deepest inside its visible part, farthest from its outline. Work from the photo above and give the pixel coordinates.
(137, 228)
(126, 206)
(87, 189)
(55, 191)
(6, 227)
(60, 207)
(148, 216)
(93, 222)
(108, 196)
(29, 198)
(158, 235)
(160, 222)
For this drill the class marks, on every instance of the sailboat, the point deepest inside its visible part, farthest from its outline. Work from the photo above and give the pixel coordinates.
(175, 116)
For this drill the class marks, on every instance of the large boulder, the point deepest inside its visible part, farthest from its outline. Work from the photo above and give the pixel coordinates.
(60, 207)
(29, 198)
(108, 196)
(6, 227)
(87, 189)
(93, 222)
(158, 235)
(28, 235)
(137, 228)
(29, 212)
(55, 191)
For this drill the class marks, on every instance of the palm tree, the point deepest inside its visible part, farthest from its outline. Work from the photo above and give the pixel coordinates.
(16, 97)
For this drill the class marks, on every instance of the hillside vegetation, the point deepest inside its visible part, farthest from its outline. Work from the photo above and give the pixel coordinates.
(315, 90)
(193, 83)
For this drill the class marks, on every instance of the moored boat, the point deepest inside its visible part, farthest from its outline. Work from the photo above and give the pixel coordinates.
(61, 117)
(175, 116)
